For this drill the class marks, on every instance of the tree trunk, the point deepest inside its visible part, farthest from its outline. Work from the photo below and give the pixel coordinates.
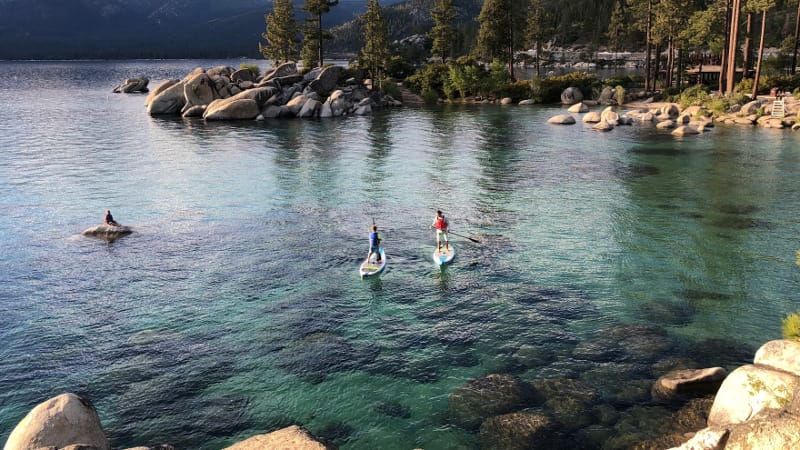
(539, 59)
(731, 75)
(648, 56)
(723, 58)
(796, 39)
(657, 68)
(670, 64)
(747, 60)
(760, 54)
(680, 68)
(319, 36)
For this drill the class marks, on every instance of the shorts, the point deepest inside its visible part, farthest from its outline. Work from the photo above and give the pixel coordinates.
(373, 249)
(441, 234)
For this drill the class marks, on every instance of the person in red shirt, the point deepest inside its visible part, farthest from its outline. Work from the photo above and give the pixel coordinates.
(441, 225)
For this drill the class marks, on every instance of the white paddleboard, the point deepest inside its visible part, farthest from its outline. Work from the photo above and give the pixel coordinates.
(444, 256)
(372, 267)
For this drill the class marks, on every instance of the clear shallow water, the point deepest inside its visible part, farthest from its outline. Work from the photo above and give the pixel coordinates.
(236, 307)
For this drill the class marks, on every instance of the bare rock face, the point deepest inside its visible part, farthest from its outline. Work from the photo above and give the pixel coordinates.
(199, 90)
(748, 390)
(283, 70)
(325, 82)
(235, 109)
(108, 232)
(561, 119)
(688, 382)
(290, 438)
(63, 421)
(132, 85)
(164, 85)
(168, 101)
(579, 108)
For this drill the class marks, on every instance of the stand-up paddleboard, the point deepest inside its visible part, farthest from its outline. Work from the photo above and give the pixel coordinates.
(444, 256)
(371, 267)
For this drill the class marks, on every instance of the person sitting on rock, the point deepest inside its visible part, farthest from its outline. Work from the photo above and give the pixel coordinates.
(109, 220)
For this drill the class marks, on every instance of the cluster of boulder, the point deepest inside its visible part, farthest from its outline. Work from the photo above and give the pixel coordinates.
(70, 422)
(692, 120)
(225, 93)
(667, 116)
(133, 86)
(755, 406)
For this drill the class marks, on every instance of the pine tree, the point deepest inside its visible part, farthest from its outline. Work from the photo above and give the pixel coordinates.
(313, 34)
(443, 34)
(281, 33)
(536, 30)
(374, 54)
(496, 33)
(616, 26)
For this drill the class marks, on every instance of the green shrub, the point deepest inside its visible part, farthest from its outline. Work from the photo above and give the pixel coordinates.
(389, 86)
(430, 78)
(256, 71)
(548, 90)
(744, 87)
(518, 90)
(624, 81)
(619, 94)
(791, 326)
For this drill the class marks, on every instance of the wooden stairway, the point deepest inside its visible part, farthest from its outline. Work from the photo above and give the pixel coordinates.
(778, 109)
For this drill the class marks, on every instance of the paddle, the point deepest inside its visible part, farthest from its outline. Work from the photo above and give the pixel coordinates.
(465, 237)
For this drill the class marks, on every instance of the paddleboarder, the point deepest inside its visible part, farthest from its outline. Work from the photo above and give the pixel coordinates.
(441, 225)
(374, 244)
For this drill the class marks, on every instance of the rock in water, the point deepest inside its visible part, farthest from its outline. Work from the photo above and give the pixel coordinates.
(571, 95)
(107, 231)
(59, 422)
(561, 119)
(293, 437)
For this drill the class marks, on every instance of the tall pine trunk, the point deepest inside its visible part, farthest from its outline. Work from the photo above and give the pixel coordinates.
(731, 69)
(319, 37)
(760, 54)
(747, 60)
(648, 55)
(796, 39)
(723, 58)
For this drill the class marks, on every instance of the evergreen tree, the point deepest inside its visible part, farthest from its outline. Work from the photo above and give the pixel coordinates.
(761, 6)
(443, 33)
(496, 32)
(536, 30)
(616, 26)
(281, 33)
(374, 54)
(313, 34)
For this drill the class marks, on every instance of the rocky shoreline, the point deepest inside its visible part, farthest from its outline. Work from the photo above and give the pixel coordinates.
(692, 120)
(225, 93)
(755, 406)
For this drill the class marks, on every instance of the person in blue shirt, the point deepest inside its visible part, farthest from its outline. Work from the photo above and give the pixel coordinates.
(374, 244)
(109, 219)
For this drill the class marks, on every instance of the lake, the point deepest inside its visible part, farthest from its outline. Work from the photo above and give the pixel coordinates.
(236, 307)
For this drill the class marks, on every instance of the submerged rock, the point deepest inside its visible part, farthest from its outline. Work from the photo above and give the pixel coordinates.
(108, 231)
(483, 397)
(517, 431)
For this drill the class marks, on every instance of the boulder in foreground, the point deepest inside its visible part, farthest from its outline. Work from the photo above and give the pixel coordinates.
(62, 421)
(290, 438)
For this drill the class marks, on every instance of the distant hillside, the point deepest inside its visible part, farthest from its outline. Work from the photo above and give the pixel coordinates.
(61, 29)
(403, 19)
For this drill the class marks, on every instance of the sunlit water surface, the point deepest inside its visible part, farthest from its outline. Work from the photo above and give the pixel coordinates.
(236, 307)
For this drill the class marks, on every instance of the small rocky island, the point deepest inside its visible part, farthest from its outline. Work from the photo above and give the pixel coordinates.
(225, 93)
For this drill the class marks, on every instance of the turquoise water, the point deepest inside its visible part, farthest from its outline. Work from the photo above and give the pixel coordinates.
(236, 308)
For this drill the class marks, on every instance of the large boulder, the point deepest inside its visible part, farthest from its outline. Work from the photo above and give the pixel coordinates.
(198, 90)
(670, 110)
(132, 85)
(579, 107)
(290, 438)
(232, 109)
(325, 82)
(610, 116)
(592, 117)
(571, 95)
(483, 397)
(749, 390)
(169, 101)
(561, 119)
(777, 431)
(706, 439)
(261, 95)
(665, 124)
(62, 421)
(751, 107)
(782, 354)
(285, 69)
(679, 384)
(163, 86)
(310, 108)
(107, 231)
(603, 125)
(243, 75)
(296, 104)
(517, 431)
(685, 130)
